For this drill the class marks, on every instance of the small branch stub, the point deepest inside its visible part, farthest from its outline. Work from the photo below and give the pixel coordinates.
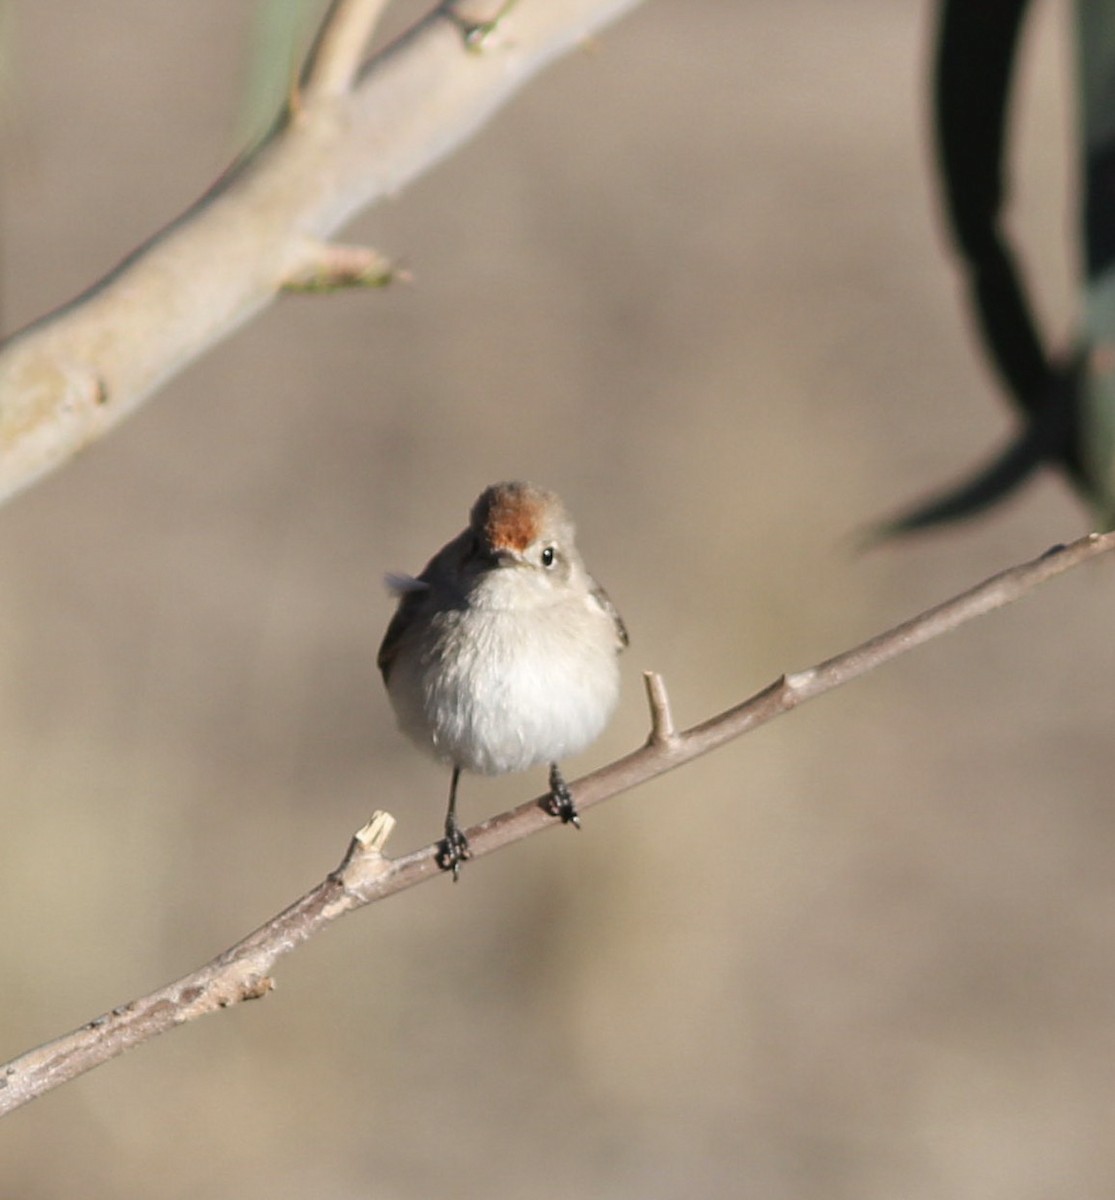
(477, 31)
(373, 836)
(662, 729)
(258, 988)
(364, 863)
(330, 268)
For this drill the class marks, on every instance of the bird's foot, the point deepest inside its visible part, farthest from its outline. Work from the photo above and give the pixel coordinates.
(453, 849)
(559, 803)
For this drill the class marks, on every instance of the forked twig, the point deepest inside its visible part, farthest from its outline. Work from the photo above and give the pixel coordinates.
(355, 131)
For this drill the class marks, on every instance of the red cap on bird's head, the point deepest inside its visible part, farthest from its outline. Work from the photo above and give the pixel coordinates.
(512, 516)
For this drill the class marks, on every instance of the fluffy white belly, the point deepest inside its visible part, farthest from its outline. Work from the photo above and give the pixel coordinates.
(489, 695)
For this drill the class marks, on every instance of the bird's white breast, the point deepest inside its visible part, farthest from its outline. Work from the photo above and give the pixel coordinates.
(493, 690)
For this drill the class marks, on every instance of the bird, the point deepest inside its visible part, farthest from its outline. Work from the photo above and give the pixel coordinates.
(503, 653)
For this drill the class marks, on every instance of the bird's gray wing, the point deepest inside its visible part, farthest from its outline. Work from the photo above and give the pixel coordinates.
(414, 594)
(410, 603)
(605, 601)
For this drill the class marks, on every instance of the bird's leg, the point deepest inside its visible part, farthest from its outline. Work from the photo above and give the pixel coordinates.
(453, 850)
(559, 803)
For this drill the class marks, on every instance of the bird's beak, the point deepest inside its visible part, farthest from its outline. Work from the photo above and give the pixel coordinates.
(495, 556)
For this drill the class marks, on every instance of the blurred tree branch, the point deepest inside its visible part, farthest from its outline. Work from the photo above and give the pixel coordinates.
(352, 133)
(365, 875)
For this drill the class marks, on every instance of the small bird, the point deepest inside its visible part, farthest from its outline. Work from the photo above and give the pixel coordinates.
(503, 653)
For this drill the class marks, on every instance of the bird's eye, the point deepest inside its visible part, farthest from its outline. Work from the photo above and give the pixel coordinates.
(548, 556)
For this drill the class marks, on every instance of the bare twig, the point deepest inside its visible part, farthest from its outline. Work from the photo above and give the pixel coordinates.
(352, 135)
(338, 50)
(365, 875)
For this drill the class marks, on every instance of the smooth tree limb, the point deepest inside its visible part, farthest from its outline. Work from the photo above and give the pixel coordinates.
(354, 132)
(365, 875)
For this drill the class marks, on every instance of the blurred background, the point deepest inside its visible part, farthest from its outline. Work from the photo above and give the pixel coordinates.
(694, 279)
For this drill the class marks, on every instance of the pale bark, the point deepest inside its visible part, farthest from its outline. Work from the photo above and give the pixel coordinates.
(354, 133)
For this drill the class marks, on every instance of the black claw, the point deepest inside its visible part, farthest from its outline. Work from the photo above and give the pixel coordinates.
(453, 850)
(559, 803)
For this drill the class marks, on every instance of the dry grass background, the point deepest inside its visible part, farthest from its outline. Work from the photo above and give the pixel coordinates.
(694, 281)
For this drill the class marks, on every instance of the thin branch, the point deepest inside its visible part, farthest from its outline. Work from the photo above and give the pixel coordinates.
(338, 50)
(365, 875)
(352, 136)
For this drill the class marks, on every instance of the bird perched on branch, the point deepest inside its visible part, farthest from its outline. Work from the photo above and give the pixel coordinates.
(502, 653)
